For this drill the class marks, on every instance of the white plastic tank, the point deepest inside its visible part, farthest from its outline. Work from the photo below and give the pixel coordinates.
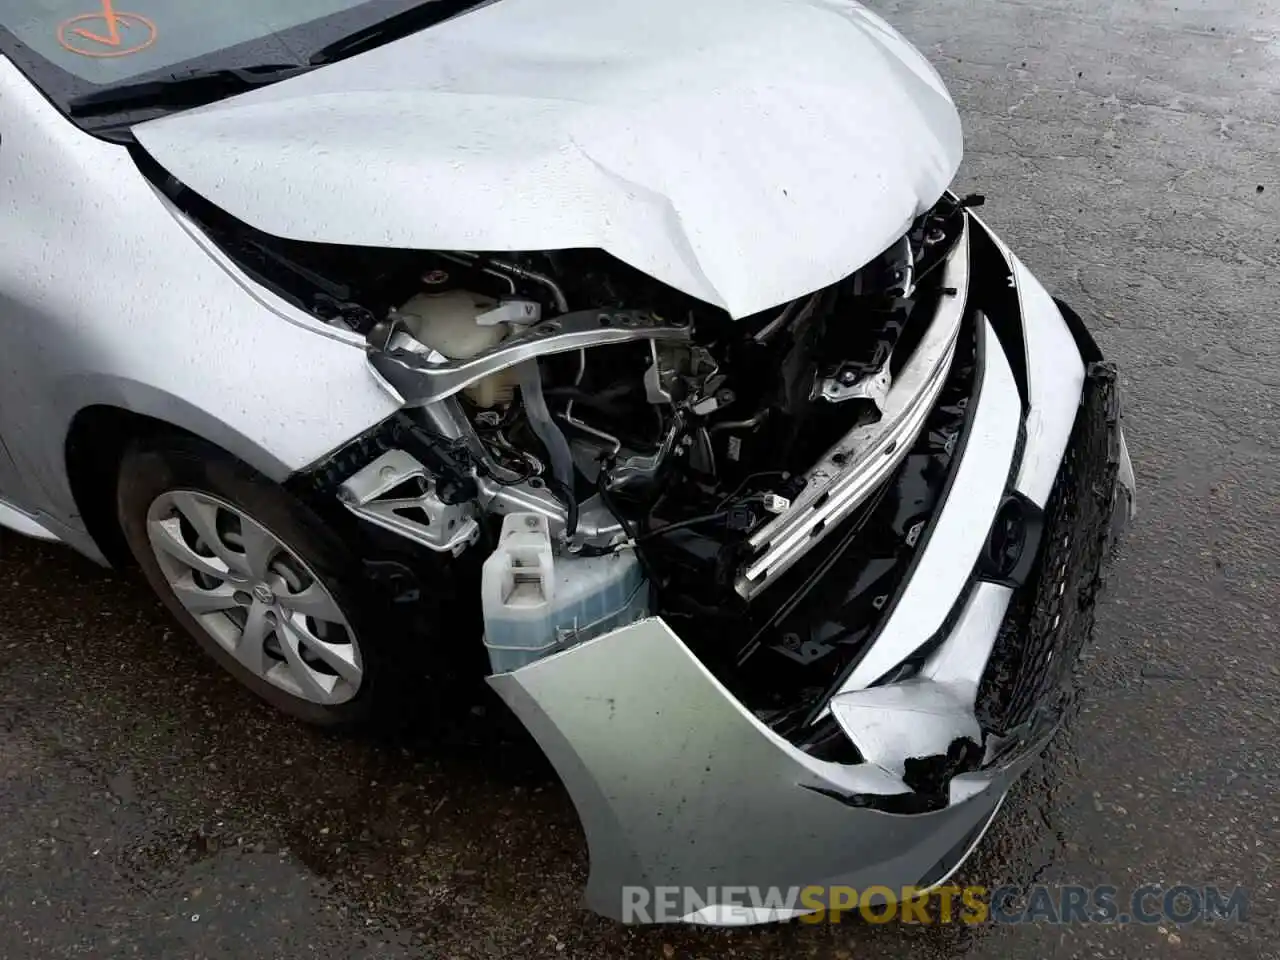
(447, 322)
(536, 603)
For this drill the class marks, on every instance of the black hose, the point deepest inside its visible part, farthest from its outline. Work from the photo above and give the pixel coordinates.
(574, 392)
(680, 525)
(628, 528)
(602, 402)
(568, 499)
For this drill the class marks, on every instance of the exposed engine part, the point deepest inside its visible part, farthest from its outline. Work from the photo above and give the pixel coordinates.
(680, 382)
(459, 324)
(449, 422)
(614, 444)
(668, 424)
(449, 322)
(655, 378)
(397, 493)
(749, 424)
(522, 313)
(598, 527)
(562, 304)
(471, 261)
(681, 374)
(688, 435)
(421, 381)
(536, 602)
(702, 455)
(644, 467)
(714, 451)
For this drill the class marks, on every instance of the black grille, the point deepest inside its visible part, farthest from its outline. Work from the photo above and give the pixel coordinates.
(1051, 618)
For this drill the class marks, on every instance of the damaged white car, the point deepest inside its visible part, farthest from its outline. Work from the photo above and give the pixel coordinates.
(637, 348)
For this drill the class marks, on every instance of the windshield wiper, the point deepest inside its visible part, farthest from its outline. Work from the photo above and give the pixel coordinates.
(415, 18)
(182, 90)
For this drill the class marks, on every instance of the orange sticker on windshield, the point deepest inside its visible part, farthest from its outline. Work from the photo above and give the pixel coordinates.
(106, 33)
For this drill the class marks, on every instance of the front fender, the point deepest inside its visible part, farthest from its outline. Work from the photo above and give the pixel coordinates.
(110, 296)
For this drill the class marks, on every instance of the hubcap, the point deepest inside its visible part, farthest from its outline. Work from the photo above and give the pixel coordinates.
(254, 596)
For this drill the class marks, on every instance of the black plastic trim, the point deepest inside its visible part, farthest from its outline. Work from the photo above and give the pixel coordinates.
(922, 653)
(1085, 343)
(1014, 507)
(993, 288)
(412, 589)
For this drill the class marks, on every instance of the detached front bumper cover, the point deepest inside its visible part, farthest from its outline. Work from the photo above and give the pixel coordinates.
(678, 785)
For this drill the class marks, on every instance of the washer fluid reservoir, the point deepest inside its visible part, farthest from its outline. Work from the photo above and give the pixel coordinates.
(536, 603)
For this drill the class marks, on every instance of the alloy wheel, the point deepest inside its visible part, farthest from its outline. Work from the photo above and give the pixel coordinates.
(255, 596)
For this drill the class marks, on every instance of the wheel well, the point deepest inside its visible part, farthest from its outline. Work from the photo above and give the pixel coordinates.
(96, 442)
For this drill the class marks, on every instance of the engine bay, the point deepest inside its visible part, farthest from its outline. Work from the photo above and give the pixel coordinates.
(668, 430)
(603, 446)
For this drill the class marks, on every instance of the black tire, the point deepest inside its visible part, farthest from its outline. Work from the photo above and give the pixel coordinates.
(150, 468)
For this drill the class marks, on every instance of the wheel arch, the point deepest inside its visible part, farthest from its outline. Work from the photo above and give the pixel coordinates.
(96, 440)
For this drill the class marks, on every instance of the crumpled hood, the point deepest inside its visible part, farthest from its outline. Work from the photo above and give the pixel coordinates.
(744, 151)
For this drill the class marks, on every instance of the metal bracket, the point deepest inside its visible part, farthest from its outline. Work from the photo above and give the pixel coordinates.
(448, 528)
(420, 379)
(849, 386)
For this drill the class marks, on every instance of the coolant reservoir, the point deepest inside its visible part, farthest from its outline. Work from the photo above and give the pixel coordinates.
(446, 322)
(536, 603)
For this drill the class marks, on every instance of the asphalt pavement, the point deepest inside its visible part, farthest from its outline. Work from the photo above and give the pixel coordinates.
(1128, 151)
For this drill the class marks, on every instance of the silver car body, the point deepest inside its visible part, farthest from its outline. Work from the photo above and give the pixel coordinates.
(108, 297)
(745, 152)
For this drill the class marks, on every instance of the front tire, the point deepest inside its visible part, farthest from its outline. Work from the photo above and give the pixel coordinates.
(250, 572)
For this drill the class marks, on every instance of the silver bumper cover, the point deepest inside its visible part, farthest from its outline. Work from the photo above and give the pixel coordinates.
(677, 785)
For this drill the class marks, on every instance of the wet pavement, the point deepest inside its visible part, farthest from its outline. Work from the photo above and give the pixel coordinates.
(1128, 151)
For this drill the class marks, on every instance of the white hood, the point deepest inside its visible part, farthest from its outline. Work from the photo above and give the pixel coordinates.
(743, 151)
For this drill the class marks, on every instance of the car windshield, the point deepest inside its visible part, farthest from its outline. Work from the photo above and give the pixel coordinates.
(103, 42)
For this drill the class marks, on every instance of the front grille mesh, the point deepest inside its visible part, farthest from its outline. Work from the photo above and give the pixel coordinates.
(1051, 617)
